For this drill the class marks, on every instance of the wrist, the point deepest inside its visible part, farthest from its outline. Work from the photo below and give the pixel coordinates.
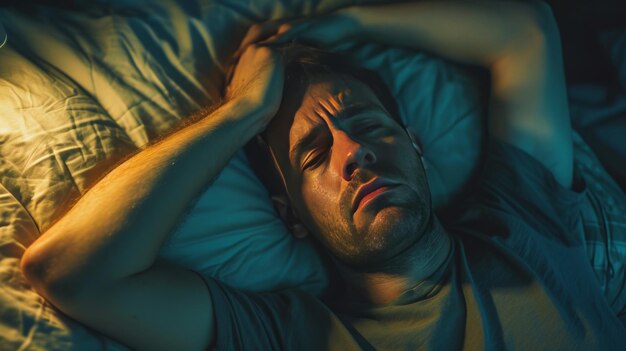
(251, 115)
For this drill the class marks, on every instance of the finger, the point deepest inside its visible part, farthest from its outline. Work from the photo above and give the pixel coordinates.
(261, 31)
(256, 33)
(232, 66)
(285, 33)
(288, 33)
(285, 27)
(230, 72)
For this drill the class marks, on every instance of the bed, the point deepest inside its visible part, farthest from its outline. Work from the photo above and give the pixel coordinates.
(85, 83)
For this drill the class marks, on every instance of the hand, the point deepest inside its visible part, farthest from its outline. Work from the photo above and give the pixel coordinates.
(256, 72)
(324, 30)
(255, 81)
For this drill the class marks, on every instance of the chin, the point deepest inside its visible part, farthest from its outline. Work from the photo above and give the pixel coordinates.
(389, 232)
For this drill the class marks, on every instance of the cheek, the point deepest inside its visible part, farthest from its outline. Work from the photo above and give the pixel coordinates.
(395, 151)
(399, 154)
(318, 192)
(320, 195)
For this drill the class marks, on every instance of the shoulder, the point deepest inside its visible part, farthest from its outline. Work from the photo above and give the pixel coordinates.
(273, 320)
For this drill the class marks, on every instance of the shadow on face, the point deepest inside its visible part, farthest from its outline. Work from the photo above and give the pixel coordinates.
(352, 175)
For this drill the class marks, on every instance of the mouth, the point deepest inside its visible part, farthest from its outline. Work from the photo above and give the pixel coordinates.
(369, 191)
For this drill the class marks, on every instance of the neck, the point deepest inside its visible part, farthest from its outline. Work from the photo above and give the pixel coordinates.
(411, 267)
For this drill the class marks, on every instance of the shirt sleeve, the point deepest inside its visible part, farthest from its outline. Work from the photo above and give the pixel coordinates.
(515, 183)
(287, 320)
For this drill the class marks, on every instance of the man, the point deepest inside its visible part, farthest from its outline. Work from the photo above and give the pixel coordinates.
(513, 273)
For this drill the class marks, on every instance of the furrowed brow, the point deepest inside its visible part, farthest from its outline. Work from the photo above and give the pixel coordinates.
(350, 111)
(355, 110)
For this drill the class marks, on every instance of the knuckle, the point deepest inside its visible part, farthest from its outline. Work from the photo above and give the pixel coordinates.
(255, 28)
(259, 47)
(285, 27)
(264, 51)
(249, 49)
(257, 52)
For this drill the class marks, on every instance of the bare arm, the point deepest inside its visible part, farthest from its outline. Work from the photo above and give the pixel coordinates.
(96, 263)
(517, 41)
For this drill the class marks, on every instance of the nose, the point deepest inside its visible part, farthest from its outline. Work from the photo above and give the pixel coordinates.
(356, 155)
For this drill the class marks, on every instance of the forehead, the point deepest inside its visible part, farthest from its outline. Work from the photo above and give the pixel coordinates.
(329, 96)
(322, 100)
(326, 99)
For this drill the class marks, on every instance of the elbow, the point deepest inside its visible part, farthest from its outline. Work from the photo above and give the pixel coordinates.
(532, 31)
(33, 267)
(36, 270)
(542, 13)
(46, 278)
(540, 24)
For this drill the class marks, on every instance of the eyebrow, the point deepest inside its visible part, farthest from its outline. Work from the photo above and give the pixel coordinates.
(355, 110)
(313, 133)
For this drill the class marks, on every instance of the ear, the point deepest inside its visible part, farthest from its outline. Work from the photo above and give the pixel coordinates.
(3, 35)
(285, 211)
(417, 145)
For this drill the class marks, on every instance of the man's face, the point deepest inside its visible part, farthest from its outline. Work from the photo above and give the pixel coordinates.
(352, 175)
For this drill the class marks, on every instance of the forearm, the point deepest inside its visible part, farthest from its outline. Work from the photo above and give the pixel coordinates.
(116, 229)
(474, 32)
(520, 45)
(97, 263)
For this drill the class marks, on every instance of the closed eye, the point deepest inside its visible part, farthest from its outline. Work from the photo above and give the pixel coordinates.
(368, 128)
(314, 158)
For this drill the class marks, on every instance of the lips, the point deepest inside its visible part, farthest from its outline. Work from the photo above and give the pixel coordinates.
(369, 191)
